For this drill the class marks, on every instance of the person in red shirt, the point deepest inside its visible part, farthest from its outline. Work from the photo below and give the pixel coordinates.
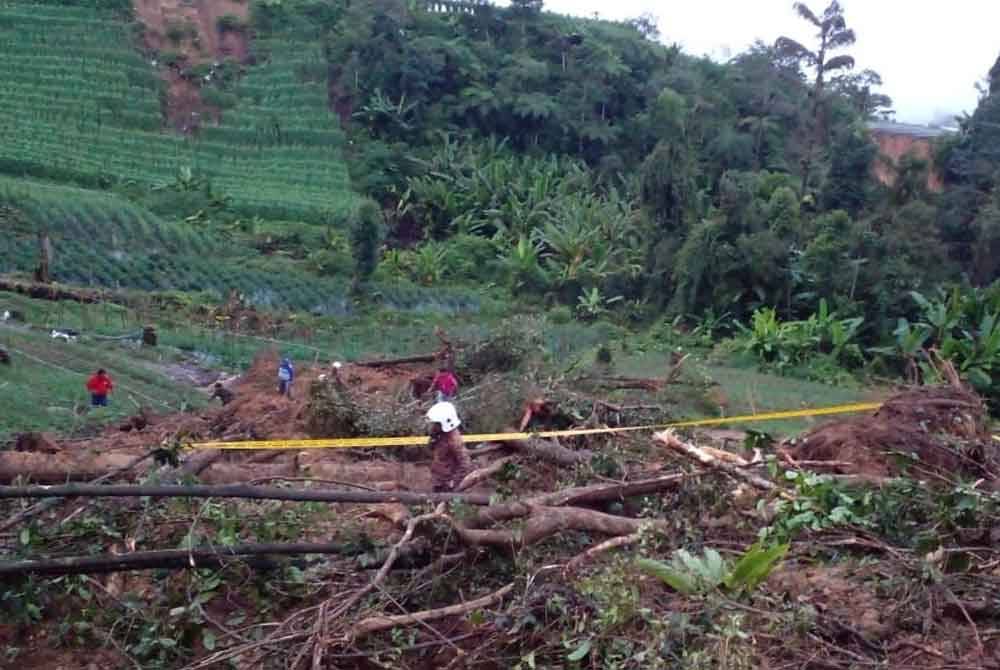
(445, 385)
(100, 387)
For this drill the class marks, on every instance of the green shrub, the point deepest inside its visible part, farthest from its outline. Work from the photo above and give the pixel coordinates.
(560, 314)
(331, 262)
(366, 236)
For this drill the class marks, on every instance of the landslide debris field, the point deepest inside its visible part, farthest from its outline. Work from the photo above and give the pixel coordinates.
(869, 541)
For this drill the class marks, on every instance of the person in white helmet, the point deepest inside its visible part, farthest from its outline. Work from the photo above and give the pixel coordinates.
(449, 460)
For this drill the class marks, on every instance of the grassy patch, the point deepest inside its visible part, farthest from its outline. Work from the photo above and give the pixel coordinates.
(43, 388)
(740, 391)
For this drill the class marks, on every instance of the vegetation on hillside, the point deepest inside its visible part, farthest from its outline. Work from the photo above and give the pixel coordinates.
(545, 159)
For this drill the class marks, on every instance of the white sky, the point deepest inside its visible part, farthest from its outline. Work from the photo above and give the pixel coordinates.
(930, 54)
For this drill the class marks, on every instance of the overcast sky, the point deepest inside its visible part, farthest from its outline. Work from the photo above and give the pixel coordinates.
(930, 54)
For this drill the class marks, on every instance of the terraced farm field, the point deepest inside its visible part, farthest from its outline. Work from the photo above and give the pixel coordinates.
(82, 103)
(101, 239)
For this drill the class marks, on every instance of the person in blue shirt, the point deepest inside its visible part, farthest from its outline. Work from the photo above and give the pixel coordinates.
(286, 375)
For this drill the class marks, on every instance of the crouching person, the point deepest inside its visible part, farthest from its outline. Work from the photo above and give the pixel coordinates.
(449, 460)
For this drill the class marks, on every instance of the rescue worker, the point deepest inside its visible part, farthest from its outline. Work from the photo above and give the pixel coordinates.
(223, 394)
(445, 385)
(286, 376)
(100, 387)
(450, 461)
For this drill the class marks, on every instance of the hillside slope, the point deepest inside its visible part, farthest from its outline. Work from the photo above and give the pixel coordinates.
(83, 104)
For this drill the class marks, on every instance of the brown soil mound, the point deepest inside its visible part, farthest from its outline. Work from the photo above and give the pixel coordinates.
(937, 429)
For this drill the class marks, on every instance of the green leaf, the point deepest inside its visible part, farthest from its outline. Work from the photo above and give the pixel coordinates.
(25, 536)
(715, 566)
(672, 578)
(979, 378)
(755, 565)
(580, 652)
(208, 639)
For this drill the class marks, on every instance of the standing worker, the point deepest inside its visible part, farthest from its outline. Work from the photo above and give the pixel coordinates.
(445, 385)
(449, 460)
(286, 376)
(100, 387)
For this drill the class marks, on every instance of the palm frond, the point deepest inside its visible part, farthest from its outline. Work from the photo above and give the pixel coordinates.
(807, 13)
(839, 63)
(789, 48)
(840, 38)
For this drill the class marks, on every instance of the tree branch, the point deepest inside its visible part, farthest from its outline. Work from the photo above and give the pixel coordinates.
(670, 440)
(380, 623)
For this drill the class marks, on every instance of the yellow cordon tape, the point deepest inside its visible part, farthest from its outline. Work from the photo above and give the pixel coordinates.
(422, 440)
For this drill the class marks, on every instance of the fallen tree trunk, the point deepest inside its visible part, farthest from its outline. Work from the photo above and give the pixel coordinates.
(196, 464)
(236, 473)
(55, 292)
(61, 467)
(389, 362)
(174, 559)
(235, 491)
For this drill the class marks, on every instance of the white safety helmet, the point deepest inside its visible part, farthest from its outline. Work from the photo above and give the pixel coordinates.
(444, 413)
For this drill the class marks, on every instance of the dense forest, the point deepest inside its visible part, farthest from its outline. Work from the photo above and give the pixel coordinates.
(583, 163)
(607, 170)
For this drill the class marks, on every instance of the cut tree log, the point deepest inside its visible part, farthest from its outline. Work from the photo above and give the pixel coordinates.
(235, 491)
(174, 559)
(61, 467)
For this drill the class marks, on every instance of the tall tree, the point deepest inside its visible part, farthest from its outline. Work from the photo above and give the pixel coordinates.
(833, 35)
